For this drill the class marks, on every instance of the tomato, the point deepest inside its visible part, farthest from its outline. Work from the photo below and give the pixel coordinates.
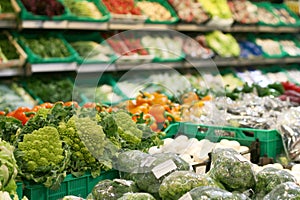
(2, 113)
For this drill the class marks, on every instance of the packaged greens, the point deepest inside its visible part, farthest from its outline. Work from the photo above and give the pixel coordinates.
(8, 168)
(137, 196)
(232, 170)
(284, 191)
(113, 189)
(180, 182)
(148, 171)
(269, 178)
(213, 193)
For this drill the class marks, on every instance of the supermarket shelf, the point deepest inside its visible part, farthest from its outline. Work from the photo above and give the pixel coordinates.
(148, 66)
(87, 25)
(89, 68)
(53, 67)
(34, 24)
(8, 24)
(11, 72)
(237, 28)
(240, 62)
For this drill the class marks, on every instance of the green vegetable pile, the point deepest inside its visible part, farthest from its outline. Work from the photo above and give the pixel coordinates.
(74, 140)
(274, 89)
(112, 189)
(138, 166)
(137, 196)
(8, 168)
(209, 192)
(224, 45)
(92, 50)
(51, 89)
(6, 7)
(7, 49)
(83, 8)
(269, 178)
(47, 47)
(41, 157)
(180, 182)
(284, 191)
(232, 170)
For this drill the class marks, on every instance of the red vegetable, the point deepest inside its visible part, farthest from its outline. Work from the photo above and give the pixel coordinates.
(44, 7)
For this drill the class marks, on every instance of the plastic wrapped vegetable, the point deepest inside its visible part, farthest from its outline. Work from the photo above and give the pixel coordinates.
(8, 168)
(209, 192)
(148, 171)
(269, 178)
(284, 191)
(137, 196)
(232, 170)
(179, 182)
(113, 189)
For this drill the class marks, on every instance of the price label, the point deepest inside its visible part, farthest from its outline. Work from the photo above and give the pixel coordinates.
(187, 196)
(164, 168)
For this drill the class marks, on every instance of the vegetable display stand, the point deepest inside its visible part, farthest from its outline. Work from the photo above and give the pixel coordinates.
(75, 22)
(174, 18)
(270, 141)
(80, 186)
(14, 46)
(30, 20)
(20, 189)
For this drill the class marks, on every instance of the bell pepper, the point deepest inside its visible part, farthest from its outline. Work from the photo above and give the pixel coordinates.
(21, 114)
(144, 97)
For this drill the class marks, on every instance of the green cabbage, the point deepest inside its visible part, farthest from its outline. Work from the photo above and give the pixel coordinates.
(137, 196)
(113, 189)
(213, 193)
(232, 170)
(269, 178)
(284, 191)
(180, 182)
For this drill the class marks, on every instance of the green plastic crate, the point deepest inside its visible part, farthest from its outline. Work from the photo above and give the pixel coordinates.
(35, 59)
(19, 190)
(270, 140)
(165, 4)
(101, 8)
(27, 15)
(80, 186)
(92, 36)
(268, 7)
(289, 11)
(104, 79)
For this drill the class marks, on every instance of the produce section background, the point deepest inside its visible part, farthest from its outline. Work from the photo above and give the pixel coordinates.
(225, 70)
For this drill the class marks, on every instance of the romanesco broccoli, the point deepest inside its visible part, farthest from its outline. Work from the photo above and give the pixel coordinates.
(127, 128)
(41, 153)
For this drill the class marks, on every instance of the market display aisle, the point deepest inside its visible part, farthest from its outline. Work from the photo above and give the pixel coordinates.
(202, 101)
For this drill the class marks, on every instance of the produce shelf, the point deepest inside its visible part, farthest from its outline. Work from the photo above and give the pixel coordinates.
(35, 24)
(86, 25)
(101, 67)
(12, 24)
(11, 72)
(53, 67)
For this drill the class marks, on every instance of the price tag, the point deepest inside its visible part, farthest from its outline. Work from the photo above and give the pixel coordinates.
(148, 161)
(200, 169)
(241, 158)
(187, 196)
(123, 182)
(164, 168)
